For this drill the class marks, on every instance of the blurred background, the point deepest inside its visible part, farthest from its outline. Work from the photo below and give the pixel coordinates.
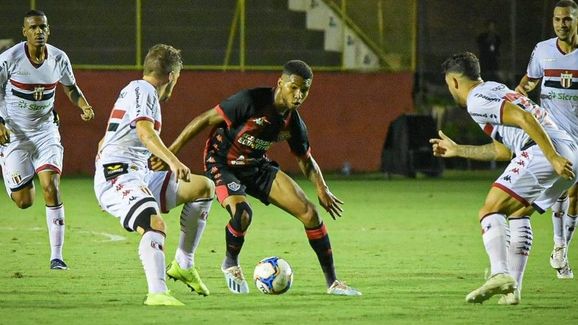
(377, 95)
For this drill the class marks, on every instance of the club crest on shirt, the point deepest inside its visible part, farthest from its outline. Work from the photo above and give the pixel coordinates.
(38, 92)
(234, 186)
(566, 79)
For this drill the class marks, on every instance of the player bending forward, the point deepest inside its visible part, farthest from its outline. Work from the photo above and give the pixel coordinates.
(544, 166)
(244, 127)
(127, 189)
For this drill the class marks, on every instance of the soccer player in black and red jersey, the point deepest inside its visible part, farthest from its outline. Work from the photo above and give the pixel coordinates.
(244, 128)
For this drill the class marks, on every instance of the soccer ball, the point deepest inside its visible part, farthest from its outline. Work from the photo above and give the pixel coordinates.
(273, 275)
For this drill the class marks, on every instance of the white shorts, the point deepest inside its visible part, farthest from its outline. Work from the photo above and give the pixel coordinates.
(22, 158)
(129, 194)
(530, 178)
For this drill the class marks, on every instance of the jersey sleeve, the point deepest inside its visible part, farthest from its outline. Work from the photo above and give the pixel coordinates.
(236, 109)
(486, 109)
(4, 69)
(299, 141)
(535, 70)
(67, 77)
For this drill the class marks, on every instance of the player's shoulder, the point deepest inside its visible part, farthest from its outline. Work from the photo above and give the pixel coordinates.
(13, 52)
(487, 93)
(547, 45)
(56, 52)
(138, 87)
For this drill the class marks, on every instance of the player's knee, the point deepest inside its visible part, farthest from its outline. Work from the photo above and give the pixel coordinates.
(242, 217)
(24, 203)
(149, 220)
(310, 217)
(22, 200)
(50, 192)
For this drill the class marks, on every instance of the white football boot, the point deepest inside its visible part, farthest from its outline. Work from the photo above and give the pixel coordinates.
(340, 288)
(558, 257)
(235, 280)
(500, 283)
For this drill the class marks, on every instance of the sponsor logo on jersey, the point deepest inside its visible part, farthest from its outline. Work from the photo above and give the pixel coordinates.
(253, 142)
(234, 186)
(566, 79)
(552, 95)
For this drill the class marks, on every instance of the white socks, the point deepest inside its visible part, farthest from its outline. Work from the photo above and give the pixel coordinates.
(569, 227)
(559, 210)
(193, 221)
(495, 234)
(152, 256)
(521, 237)
(55, 223)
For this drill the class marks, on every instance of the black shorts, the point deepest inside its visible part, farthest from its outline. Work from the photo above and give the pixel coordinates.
(255, 180)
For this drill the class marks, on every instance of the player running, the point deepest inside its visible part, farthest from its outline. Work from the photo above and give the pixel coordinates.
(126, 188)
(29, 136)
(544, 166)
(555, 63)
(244, 128)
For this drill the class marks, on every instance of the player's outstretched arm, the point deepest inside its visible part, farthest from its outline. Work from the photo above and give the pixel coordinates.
(198, 124)
(447, 148)
(76, 97)
(150, 139)
(513, 115)
(526, 85)
(328, 201)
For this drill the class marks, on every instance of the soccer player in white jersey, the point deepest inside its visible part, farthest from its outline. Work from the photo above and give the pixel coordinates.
(129, 190)
(555, 63)
(544, 166)
(29, 137)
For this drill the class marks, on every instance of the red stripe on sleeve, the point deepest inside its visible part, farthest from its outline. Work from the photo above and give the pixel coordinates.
(222, 113)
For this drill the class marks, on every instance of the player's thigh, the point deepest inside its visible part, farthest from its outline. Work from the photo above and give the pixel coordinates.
(126, 197)
(288, 195)
(18, 173)
(500, 201)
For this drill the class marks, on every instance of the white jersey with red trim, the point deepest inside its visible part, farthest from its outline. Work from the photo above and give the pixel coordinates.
(137, 101)
(28, 89)
(485, 104)
(559, 91)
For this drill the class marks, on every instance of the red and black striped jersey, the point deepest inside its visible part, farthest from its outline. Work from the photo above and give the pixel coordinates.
(252, 125)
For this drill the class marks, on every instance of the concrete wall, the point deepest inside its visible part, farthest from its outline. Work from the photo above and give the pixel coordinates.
(347, 114)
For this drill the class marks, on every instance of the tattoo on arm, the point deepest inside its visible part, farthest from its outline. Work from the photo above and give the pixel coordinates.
(485, 152)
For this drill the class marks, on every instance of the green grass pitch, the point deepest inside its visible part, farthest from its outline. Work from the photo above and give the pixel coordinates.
(412, 246)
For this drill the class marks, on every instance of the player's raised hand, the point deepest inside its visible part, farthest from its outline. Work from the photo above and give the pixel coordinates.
(330, 203)
(563, 167)
(157, 163)
(87, 113)
(444, 146)
(4, 135)
(181, 171)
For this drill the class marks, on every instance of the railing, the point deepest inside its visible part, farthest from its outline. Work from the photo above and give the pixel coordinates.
(115, 34)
